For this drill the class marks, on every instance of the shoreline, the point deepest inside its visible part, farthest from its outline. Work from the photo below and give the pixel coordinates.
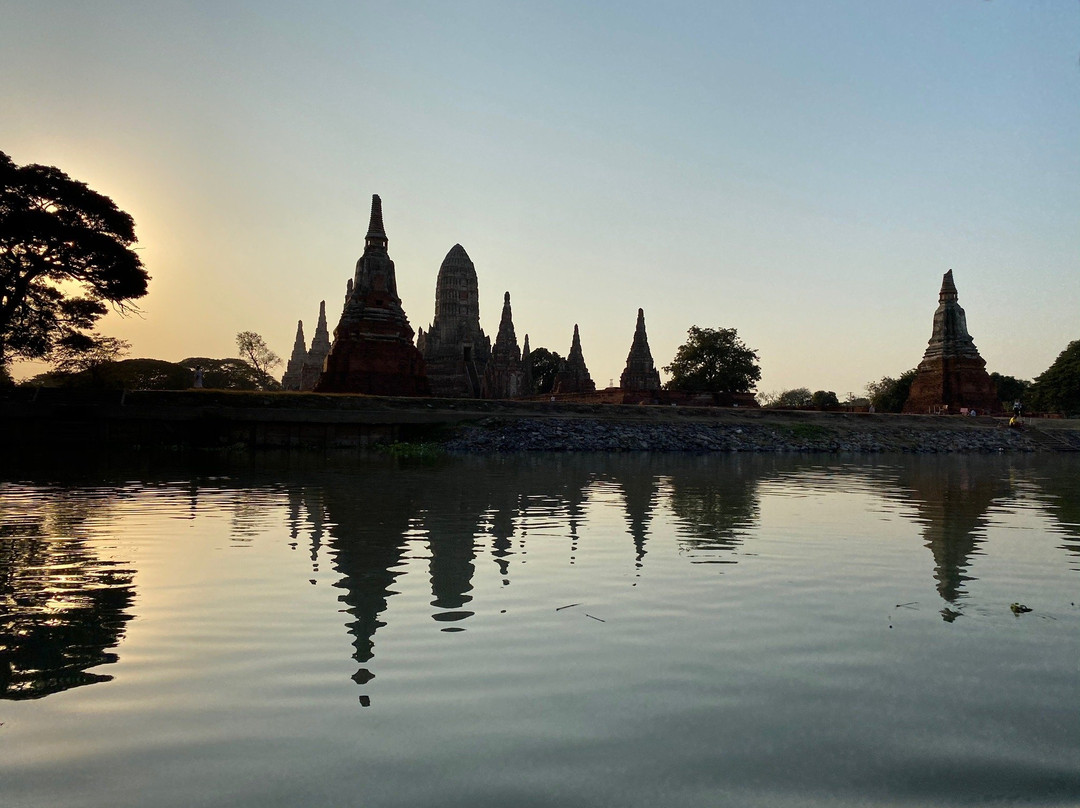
(221, 420)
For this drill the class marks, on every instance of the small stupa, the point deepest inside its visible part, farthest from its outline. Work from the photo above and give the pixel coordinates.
(316, 356)
(573, 375)
(293, 370)
(952, 376)
(373, 349)
(640, 374)
(504, 377)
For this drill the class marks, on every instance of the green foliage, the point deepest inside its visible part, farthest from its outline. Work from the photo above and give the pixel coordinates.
(545, 364)
(713, 361)
(65, 257)
(1009, 389)
(788, 399)
(1057, 389)
(254, 351)
(824, 399)
(889, 394)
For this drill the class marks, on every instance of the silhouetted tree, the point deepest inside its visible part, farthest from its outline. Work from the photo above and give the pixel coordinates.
(229, 374)
(824, 399)
(889, 394)
(545, 364)
(788, 399)
(64, 256)
(1057, 389)
(254, 351)
(1009, 389)
(713, 361)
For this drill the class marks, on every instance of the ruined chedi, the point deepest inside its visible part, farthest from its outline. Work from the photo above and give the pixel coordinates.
(455, 348)
(291, 379)
(504, 377)
(312, 367)
(640, 374)
(573, 375)
(373, 349)
(952, 374)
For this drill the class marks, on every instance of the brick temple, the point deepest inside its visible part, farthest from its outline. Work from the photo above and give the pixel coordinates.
(455, 348)
(573, 375)
(373, 349)
(305, 366)
(505, 376)
(952, 375)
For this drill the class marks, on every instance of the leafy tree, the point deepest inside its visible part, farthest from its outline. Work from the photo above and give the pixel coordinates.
(824, 399)
(713, 361)
(545, 364)
(788, 399)
(1009, 389)
(127, 374)
(64, 258)
(889, 394)
(92, 353)
(1057, 389)
(229, 374)
(254, 351)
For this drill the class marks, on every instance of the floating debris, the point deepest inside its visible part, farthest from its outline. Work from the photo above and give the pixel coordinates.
(567, 606)
(1019, 608)
(594, 617)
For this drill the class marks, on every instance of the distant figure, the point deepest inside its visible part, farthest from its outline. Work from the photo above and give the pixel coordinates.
(198, 376)
(972, 412)
(1014, 422)
(1018, 408)
(870, 408)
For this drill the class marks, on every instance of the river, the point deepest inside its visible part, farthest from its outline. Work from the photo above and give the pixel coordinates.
(542, 630)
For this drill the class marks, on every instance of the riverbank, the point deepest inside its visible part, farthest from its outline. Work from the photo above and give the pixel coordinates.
(208, 419)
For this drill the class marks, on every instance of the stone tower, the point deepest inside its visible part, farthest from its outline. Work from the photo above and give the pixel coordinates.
(373, 349)
(504, 377)
(291, 379)
(951, 374)
(320, 347)
(640, 374)
(573, 376)
(526, 369)
(455, 348)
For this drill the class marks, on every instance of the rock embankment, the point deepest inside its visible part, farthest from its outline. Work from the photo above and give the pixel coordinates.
(585, 435)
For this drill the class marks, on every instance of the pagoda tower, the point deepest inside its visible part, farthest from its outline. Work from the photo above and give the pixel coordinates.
(504, 377)
(573, 376)
(951, 375)
(640, 374)
(455, 348)
(320, 347)
(526, 369)
(373, 349)
(291, 379)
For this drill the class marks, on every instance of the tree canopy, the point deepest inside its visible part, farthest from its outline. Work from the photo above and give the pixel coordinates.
(254, 350)
(889, 394)
(545, 364)
(1057, 389)
(65, 256)
(713, 360)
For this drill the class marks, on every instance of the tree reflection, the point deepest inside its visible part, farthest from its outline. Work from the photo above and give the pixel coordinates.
(716, 505)
(63, 606)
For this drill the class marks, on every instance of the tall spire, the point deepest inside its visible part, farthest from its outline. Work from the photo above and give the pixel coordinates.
(294, 369)
(640, 373)
(376, 234)
(573, 375)
(503, 377)
(526, 368)
(948, 289)
(506, 334)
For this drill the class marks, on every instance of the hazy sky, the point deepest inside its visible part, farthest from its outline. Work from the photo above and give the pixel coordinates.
(804, 172)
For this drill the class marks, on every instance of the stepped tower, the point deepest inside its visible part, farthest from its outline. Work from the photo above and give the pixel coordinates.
(503, 377)
(455, 348)
(291, 379)
(373, 349)
(320, 347)
(573, 376)
(640, 374)
(951, 374)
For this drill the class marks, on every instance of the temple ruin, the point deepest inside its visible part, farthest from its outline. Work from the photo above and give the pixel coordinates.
(504, 376)
(312, 367)
(373, 349)
(573, 375)
(291, 379)
(640, 374)
(455, 348)
(952, 376)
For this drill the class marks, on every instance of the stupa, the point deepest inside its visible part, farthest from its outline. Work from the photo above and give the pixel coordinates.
(573, 375)
(316, 356)
(373, 349)
(455, 348)
(952, 376)
(640, 374)
(504, 377)
(291, 379)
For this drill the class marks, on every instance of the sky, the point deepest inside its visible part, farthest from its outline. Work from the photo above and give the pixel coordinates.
(803, 172)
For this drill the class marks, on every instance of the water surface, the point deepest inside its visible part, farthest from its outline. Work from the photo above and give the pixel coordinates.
(543, 630)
